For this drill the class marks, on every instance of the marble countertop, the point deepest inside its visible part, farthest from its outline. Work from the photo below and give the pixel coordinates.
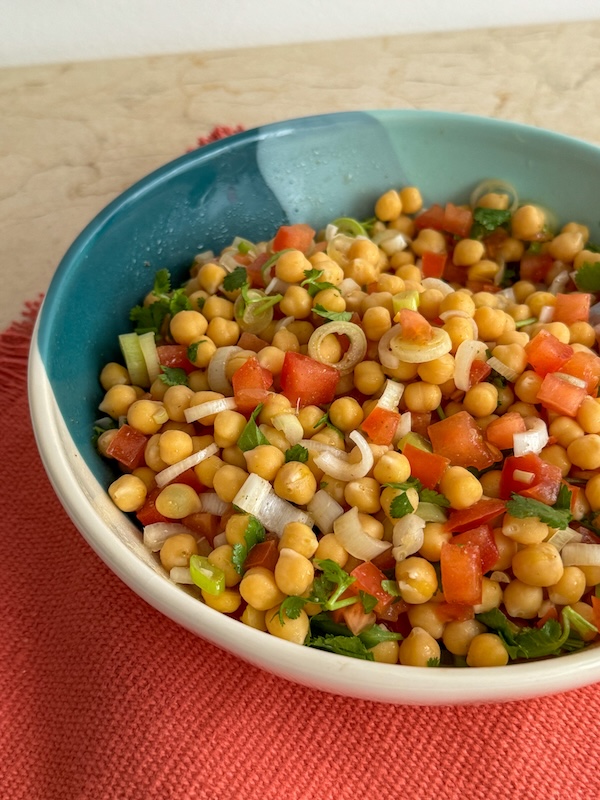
(73, 136)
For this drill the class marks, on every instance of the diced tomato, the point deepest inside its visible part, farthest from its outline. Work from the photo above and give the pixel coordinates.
(484, 510)
(462, 579)
(552, 613)
(420, 421)
(306, 381)
(385, 561)
(500, 431)
(457, 220)
(433, 264)
(368, 579)
(255, 273)
(299, 237)
(535, 266)
(427, 467)
(203, 524)
(544, 486)
(494, 242)
(572, 307)
(459, 439)
(251, 384)
(559, 395)
(263, 554)
(189, 478)
(147, 514)
(433, 217)
(380, 426)
(415, 327)
(392, 612)
(357, 619)
(249, 341)
(483, 537)
(448, 612)
(174, 356)
(128, 446)
(546, 353)
(478, 372)
(586, 367)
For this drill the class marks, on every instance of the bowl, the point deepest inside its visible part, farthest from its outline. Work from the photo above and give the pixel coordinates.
(305, 170)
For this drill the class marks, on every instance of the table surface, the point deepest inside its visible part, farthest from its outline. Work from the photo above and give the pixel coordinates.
(73, 136)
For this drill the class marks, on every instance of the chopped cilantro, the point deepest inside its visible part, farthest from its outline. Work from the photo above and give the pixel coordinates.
(100, 427)
(235, 280)
(296, 453)
(313, 284)
(400, 506)
(291, 607)
(535, 248)
(334, 316)
(563, 501)
(487, 220)
(151, 318)
(323, 485)
(368, 601)
(433, 662)
(431, 496)
(254, 534)
(324, 420)
(587, 277)
(330, 585)
(337, 638)
(524, 507)
(343, 646)
(252, 436)
(376, 634)
(411, 483)
(173, 376)
(391, 587)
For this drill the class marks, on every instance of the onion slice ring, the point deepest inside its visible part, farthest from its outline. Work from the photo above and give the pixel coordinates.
(216, 375)
(343, 470)
(355, 353)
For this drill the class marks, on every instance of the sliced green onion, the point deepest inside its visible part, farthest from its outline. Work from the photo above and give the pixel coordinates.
(431, 512)
(416, 440)
(206, 576)
(150, 354)
(349, 226)
(134, 359)
(409, 299)
(524, 322)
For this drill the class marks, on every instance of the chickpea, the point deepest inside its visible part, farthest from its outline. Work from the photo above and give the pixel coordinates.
(497, 200)
(295, 482)
(411, 199)
(458, 301)
(491, 323)
(365, 250)
(526, 531)
(417, 579)
(388, 206)
(128, 493)
(228, 426)
(566, 245)
(437, 371)
(490, 483)
(227, 602)
(146, 475)
(222, 557)
(429, 303)
(386, 652)
(429, 240)
(468, 252)
(422, 397)
(346, 414)
(392, 467)
(565, 430)
(569, 588)
(117, 400)
(425, 616)
(376, 321)
(458, 635)
(584, 452)
(481, 399)
(512, 355)
(188, 326)
(113, 374)
(460, 487)
(299, 537)
(434, 537)
(557, 455)
(207, 469)
(294, 573)
(292, 630)
(291, 266)
(177, 551)
(487, 650)
(177, 500)
(527, 386)
(228, 480)
(528, 222)
(418, 649)
(368, 377)
(174, 446)
(330, 548)
(198, 380)
(259, 588)
(511, 249)
(223, 332)
(522, 599)
(364, 494)
(459, 330)
(491, 596)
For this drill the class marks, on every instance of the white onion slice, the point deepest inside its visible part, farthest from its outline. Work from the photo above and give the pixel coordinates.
(404, 426)
(508, 293)
(216, 375)
(181, 575)
(277, 286)
(330, 232)
(391, 396)
(437, 283)
(564, 376)
(353, 355)
(172, 472)
(324, 510)
(212, 504)
(387, 358)
(220, 539)
(523, 476)
(533, 440)
(580, 554)
(347, 286)
(343, 470)
(256, 497)
(431, 512)
(466, 353)
(500, 577)
(407, 536)
(559, 283)
(290, 426)
(562, 537)
(283, 323)
(414, 353)
(501, 368)
(203, 410)
(156, 534)
(546, 314)
(321, 447)
(495, 186)
(229, 261)
(354, 539)
(392, 244)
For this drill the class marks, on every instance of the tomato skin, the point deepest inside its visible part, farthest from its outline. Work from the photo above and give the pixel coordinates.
(174, 356)
(572, 307)
(448, 612)
(380, 426)
(427, 467)
(148, 514)
(368, 579)
(500, 432)
(546, 353)
(559, 395)
(433, 264)
(545, 485)
(298, 237)
(127, 446)
(483, 537)
(250, 341)
(535, 266)
(433, 217)
(254, 270)
(459, 439)
(263, 554)
(479, 372)
(585, 366)
(251, 384)
(203, 524)
(307, 381)
(482, 511)
(458, 221)
(462, 579)
(415, 327)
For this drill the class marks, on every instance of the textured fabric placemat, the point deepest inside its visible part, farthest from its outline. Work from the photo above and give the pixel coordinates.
(102, 697)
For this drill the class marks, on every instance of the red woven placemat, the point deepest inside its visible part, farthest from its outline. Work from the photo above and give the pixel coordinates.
(102, 697)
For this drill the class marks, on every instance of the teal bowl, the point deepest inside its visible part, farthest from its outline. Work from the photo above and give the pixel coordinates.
(305, 170)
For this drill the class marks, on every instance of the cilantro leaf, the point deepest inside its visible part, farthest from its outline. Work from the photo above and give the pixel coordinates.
(523, 507)
(343, 646)
(296, 453)
(100, 427)
(162, 282)
(368, 601)
(173, 376)
(431, 496)
(563, 501)
(334, 316)
(324, 420)
(291, 607)
(235, 280)
(587, 277)
(411, 483)
(400, 506)
(433, 662)
(487, 220)
(179, 301)
(391, 587)
(252, 436)
(376, 634)
(313, 284)
(151, 317)
(254, 534)
(330, 585)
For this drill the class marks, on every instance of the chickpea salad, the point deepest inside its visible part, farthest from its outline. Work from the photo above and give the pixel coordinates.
(381, 439)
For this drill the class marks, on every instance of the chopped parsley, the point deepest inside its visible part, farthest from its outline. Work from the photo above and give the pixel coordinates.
(152, 317)
(291, 607)
(296, 453)
(556, 516)
(252, 436)
(313, 284)
(587, 277)
(400, 506)
(431, 496)
(333, 316)
(235, 280)
(173, 376)
(254, 534)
